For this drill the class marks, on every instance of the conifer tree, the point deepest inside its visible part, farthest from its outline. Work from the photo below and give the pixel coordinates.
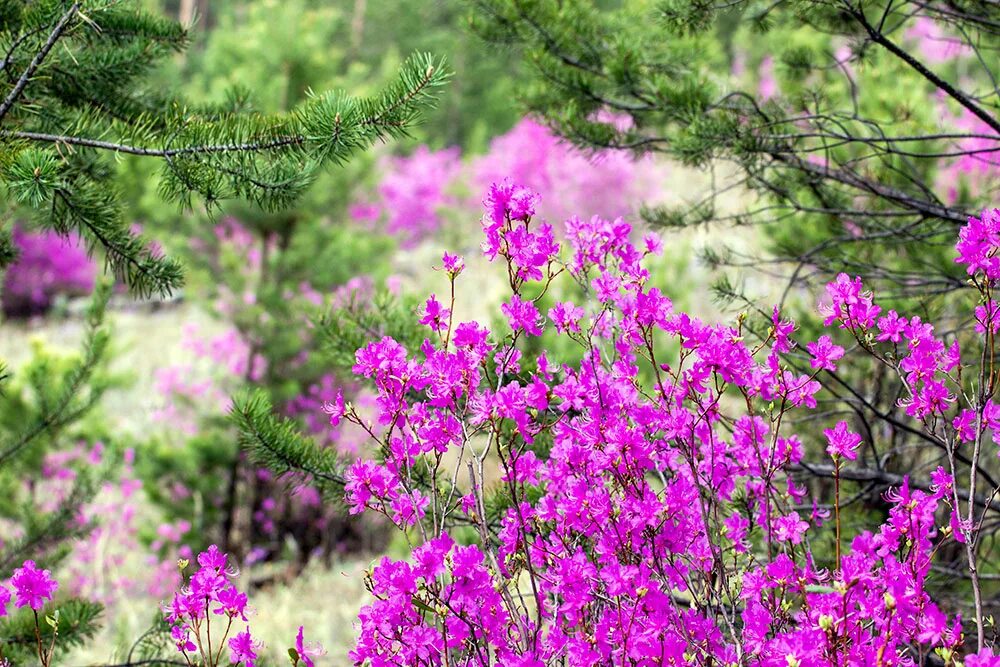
(43, 409)
(875, 139)
(73, 97)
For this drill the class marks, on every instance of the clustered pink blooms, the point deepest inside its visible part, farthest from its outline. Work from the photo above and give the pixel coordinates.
(209, 593)
(49, 264)
(609, 183)
(977, 245)
(414, 190)
(417, 191)
(935, 44)
(658, 523)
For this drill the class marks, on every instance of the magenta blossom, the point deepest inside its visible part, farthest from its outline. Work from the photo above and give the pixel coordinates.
(307, 651)
(243, 649)
(825, 353)
(32, 586)
(842, 442)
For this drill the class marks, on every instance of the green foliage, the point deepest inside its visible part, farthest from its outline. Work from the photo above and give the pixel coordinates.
(274, 442)
(77, 622)
(480, 101)
(346, 329)
(857, 135)
(71, 110)
(49, 404)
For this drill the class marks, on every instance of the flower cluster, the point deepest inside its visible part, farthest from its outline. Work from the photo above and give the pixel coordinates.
(48, 265)
(417, 191)
(210, 593)
(637, 506)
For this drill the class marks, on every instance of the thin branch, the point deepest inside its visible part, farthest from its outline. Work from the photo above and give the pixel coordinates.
(26, 75)
(69, 140)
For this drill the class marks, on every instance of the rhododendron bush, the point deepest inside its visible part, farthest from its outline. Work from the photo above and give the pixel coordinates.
(48, 265)
(416, 192)
(209, 595)
(642, 508)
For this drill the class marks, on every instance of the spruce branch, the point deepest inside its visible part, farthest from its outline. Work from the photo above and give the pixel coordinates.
(69, 140)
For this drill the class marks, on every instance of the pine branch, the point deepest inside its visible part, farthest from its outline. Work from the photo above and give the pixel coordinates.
(26, 75)
(65, 408)
(145, 151)
(275, 442)
(78, 623)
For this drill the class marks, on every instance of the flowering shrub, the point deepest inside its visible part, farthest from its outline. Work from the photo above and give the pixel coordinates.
(412, 192)
(210, 592)
(48, 264)
(417, 190)
(643, 509)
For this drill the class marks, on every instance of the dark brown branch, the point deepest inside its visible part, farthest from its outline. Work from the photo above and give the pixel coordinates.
(884, 477)
(33, 66)
(879, 38)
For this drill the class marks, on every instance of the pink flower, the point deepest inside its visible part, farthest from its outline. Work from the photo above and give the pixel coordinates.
(790, 528)
(825, 353)
(978, 242)
(852, 306)
(453, 264)
(522, 315)
(988, 317)
(232, 603)
(335, 409)
(243, 648)
(891, 327)
(842, 442)
(782, 332)
(32, 586)
(435, 316)
(307, 651)
(182, 638)
(566, 317)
